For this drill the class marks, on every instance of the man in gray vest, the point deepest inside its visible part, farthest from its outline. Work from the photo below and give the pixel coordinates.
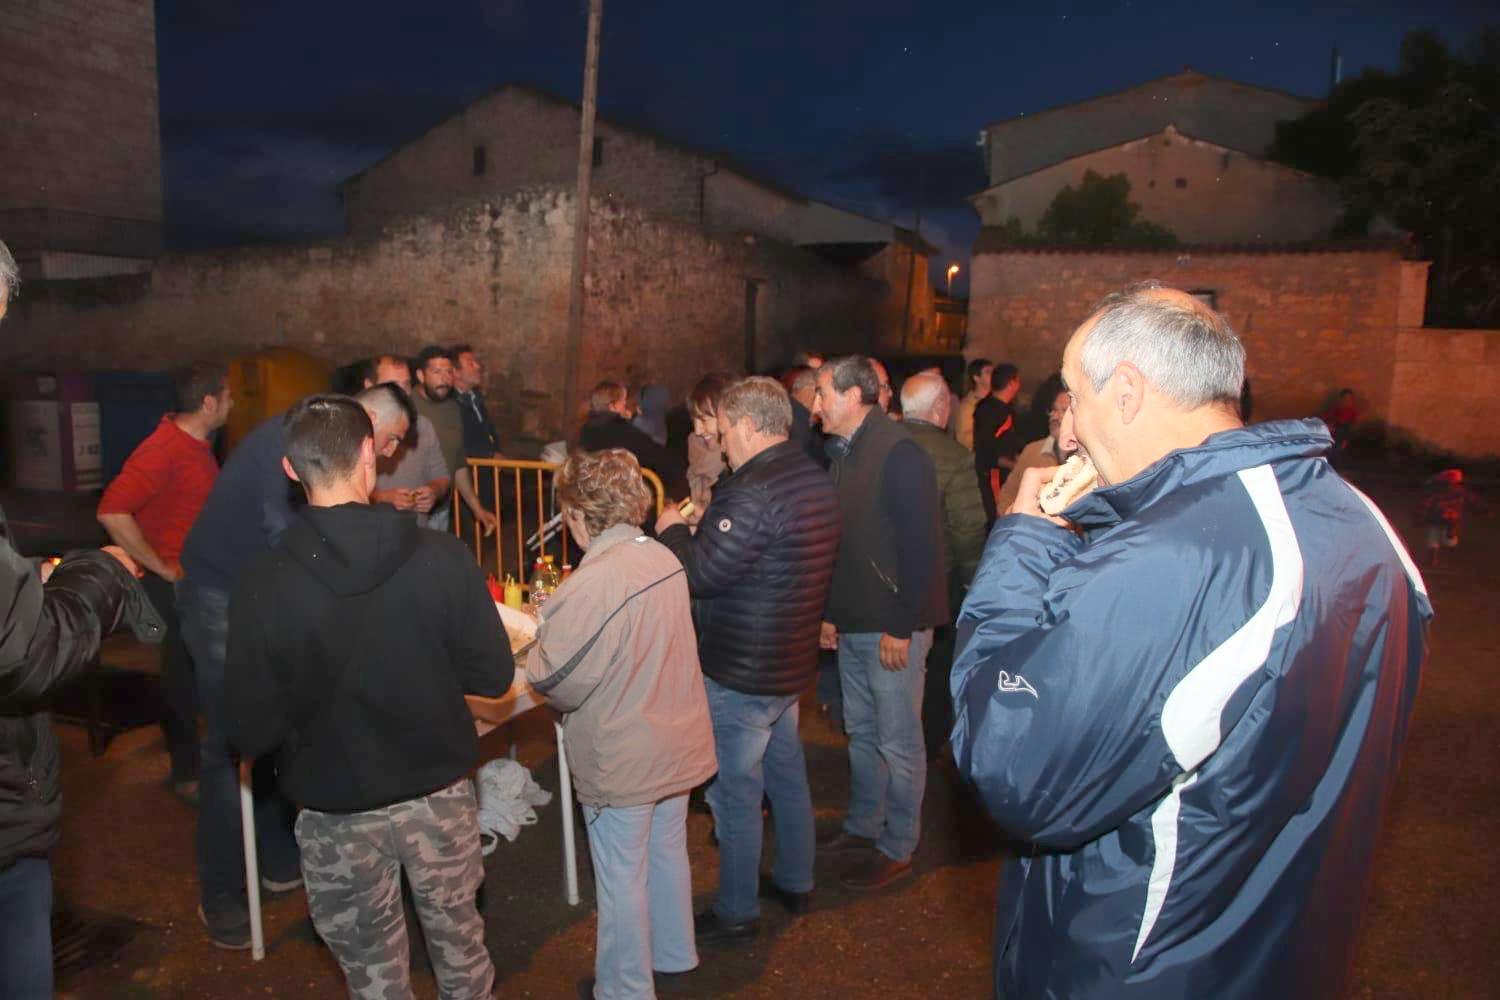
(888, 593)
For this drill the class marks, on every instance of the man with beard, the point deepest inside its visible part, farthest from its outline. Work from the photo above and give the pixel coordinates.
(434, 400)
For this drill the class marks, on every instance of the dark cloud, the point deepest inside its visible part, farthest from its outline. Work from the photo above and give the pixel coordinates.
(203, 16)
(363, 120)
(895, 168)
(506, 19)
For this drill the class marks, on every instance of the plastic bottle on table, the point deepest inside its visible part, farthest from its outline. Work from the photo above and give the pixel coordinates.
(539, 589)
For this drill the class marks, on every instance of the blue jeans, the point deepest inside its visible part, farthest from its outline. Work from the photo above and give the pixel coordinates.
(26, 930)
(760, 753)
(645, 895)
(204, 614)
(887, 757)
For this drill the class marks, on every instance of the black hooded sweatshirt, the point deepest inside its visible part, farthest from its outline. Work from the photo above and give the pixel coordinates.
(350, 650)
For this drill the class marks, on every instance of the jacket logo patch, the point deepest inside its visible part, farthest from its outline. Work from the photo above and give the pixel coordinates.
(1013, 684)
(725, 524)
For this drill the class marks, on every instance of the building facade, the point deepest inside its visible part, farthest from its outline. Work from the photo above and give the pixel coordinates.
(1193, 148)
(80, 144)
(518, 137)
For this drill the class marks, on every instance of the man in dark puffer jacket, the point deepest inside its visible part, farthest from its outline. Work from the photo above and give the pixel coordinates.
(759, 568)
(54, 621)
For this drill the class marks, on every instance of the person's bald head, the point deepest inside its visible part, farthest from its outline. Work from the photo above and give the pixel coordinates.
(925, 397)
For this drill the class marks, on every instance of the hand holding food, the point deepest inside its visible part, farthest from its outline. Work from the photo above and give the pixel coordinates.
(1072, 480)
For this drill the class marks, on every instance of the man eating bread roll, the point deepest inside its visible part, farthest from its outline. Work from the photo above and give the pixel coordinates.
(1191, 705)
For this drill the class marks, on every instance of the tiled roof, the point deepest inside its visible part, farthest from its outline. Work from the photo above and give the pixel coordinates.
(1225, 112)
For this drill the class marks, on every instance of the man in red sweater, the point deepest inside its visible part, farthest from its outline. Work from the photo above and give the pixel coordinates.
(147, 510)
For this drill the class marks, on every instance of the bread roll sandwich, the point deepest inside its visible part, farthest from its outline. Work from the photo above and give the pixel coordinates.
(1075, 478)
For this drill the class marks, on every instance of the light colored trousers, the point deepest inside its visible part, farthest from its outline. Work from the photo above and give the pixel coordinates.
(645, 896)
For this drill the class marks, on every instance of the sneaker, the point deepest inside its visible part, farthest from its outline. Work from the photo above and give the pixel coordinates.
(280, 885)
(874, 872)
(228, 926)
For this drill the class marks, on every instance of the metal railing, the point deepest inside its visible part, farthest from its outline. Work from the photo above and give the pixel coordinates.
(530, 524)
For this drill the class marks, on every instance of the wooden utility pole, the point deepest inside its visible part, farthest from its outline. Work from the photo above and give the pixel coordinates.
(573, 372)
(911, 269)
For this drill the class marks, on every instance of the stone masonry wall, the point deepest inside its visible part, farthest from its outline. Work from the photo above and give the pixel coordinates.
(1443, 390)
(529, 139)
(1311, 322)
(78, 122)
(665, 303)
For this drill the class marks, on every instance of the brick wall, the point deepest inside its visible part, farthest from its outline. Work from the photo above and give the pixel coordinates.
(79, 136)
(665, 303)
(1311, 322)
(1443, 390)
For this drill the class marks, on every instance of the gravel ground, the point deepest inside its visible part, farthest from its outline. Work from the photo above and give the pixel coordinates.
(127, 852)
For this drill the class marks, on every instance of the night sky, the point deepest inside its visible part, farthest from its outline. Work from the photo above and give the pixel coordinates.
(266, 106)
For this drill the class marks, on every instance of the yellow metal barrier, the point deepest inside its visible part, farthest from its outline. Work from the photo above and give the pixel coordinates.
(522, 500)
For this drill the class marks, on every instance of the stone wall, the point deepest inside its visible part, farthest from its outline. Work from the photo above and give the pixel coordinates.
(529, 138)
(665, 303)
(79, 137)
(1443, 390)
(1311, 322)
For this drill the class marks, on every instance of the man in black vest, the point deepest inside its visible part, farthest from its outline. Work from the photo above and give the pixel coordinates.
(759, 568)
(888, 593)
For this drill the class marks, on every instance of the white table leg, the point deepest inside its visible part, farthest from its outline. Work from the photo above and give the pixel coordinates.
(570, 850)
(252, 862)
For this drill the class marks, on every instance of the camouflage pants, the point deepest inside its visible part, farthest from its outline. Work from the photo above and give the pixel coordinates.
(352, 863)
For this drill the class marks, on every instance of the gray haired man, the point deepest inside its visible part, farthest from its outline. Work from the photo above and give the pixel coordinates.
(927, 404)
(888, 594)
(1191, 711)
(759, 568)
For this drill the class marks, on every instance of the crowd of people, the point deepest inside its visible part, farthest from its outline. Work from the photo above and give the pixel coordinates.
(1184, 699)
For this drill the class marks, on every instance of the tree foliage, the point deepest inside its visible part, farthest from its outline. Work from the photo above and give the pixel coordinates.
(1420, 149)
(1098, 212)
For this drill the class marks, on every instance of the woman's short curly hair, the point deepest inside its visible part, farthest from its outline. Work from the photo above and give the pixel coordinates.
(606, 487)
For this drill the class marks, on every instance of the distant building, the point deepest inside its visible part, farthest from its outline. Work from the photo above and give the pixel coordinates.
(80, 145)
(1193, 147)
(519, 137)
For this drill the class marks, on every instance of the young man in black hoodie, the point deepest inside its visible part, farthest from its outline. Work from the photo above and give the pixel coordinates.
(350, 651)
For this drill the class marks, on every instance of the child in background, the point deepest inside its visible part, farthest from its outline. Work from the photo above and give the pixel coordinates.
(1442, 511)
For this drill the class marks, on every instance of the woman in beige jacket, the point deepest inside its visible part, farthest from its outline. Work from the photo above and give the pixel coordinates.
(617, 654)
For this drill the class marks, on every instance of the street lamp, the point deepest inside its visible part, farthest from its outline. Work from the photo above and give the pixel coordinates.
(952, 270)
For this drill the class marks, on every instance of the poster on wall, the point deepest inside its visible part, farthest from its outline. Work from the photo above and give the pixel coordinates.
(88, 463)
(36, 444)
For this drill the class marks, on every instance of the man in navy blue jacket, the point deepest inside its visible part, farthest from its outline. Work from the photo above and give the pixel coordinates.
(1188, 696)
(759, 568)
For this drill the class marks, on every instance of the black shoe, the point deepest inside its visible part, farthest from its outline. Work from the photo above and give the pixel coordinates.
(840, 840)
(586, 988)
(709, 929)
(228, 925)
(795, 903)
